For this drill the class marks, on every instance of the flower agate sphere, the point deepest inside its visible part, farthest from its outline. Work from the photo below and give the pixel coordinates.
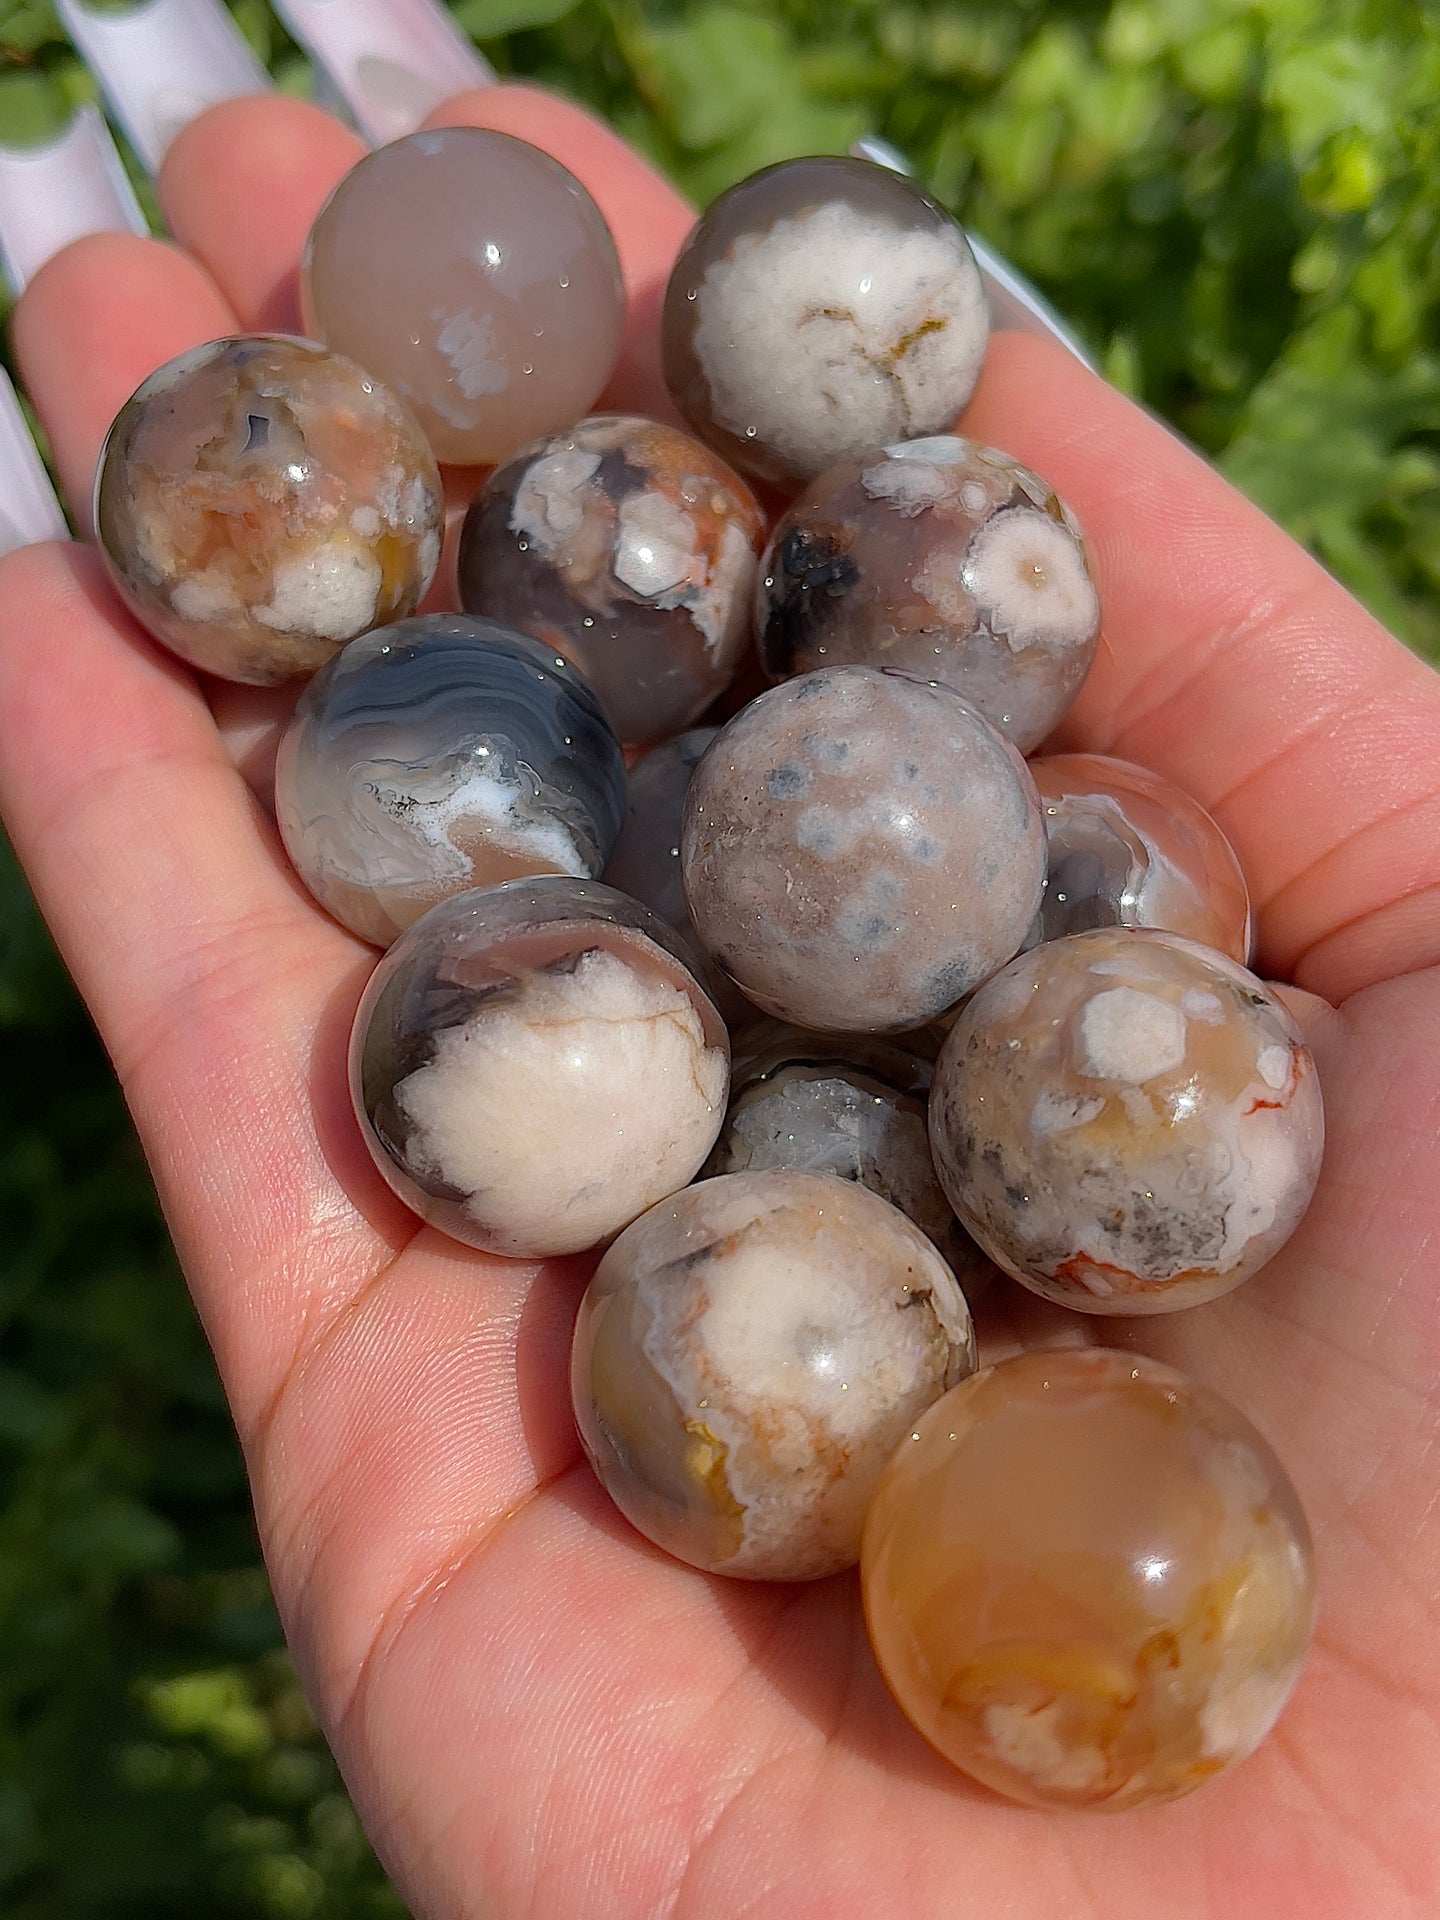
(852, 1105)
(260, 502)
(1128, 849)
(748, 1356)
(440, 754)
(821, 307)
(860, 849)
(1127, 1122)
(631, 549)
(940, 558)
(1088, 1581)
(534, 1065)
(478, 277)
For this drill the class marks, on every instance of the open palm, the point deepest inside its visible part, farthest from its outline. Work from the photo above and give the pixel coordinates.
(537, 1713)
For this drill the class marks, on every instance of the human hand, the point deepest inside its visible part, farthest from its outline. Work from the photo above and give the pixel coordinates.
(537, 1713)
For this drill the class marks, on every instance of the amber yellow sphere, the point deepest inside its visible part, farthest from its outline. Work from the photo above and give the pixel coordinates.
(1088, 1581)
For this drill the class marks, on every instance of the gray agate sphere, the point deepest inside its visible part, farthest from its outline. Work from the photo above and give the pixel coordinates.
(860, 850)
(851, 1105)
(821, 307)
(747, 1358)
(941, 558)
(440, 754)
(630, 548)
(534, 1064)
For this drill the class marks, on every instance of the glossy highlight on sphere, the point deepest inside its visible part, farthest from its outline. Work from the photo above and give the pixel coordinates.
(260, 502)
(942, 558)
(440, 754)
(746, 1359)
(860, 849)
(852, 1105)
(1088, 1580)
(478, 277)
(533, 1065)
(630, 548)
(1128, 849)
(1127, 1122)
(821, 307)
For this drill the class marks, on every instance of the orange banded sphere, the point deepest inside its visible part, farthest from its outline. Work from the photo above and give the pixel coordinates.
(1088, 1581)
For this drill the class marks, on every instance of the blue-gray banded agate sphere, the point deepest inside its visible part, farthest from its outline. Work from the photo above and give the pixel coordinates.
(440, 754)
(860, 850)
(534, 1064)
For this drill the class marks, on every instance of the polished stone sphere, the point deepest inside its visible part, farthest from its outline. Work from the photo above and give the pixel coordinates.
(860, 850)
(1127, 848)
(821, 307)
(748, 1356)
(260, 502)
(630, 548)
(533, 1065)
(1088, 1581)
(1127, 1122)
(478, 277)
(440, 754)
(941, 558)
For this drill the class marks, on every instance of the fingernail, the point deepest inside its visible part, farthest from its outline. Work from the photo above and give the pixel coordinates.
(163, 64)
(390, 61)
(30, 511)
(51, 195)
(1014, 303)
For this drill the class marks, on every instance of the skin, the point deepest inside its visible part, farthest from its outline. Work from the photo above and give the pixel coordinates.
(538, 1714)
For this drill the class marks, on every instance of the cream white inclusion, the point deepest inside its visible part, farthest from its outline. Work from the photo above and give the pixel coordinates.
(809, 333)
(410, 815)
(654, 546)
(1028, 575)
(1130, 1036)
(549, 504)
(567, 1110)
(332, 591)
(1032, 1741)
(468, 342)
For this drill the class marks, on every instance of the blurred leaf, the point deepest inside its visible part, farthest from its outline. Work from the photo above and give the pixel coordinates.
(488, 19)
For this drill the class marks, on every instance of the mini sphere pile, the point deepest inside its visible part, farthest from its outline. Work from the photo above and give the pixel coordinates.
(990, 1017)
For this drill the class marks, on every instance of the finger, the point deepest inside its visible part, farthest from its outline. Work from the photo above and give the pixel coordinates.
(1234, 664)
(94, 322)
(240, 189)
(222, 994)
(648, 218)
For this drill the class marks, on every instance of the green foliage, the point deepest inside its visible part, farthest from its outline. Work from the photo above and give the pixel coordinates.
(1238, 204)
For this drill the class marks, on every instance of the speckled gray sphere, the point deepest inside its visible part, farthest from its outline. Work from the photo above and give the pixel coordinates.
(821, 307)
(860, 849)
(747, 1358)
(533, 1065)
(1127, 1122)
(630, 548)
(942, 558)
